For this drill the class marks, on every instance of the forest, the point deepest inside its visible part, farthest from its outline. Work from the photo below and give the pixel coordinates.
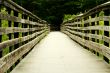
(54, 11)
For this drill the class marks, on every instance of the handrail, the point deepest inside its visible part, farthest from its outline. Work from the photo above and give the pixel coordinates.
(92, 30)
(96, 9)
(18, 8)
(20, 31)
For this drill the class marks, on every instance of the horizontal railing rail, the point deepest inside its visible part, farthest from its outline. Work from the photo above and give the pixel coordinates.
(92, 30)
(20, 31)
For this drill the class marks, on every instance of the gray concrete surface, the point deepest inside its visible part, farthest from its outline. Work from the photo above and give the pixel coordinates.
(57, 53)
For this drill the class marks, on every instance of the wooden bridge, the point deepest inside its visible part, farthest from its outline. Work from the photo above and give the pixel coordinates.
(82, 45)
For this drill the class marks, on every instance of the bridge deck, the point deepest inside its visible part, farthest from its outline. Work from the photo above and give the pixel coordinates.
(57, 53)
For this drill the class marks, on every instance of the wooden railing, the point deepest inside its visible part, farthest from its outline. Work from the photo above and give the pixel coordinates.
(92, 30)
(20, 31)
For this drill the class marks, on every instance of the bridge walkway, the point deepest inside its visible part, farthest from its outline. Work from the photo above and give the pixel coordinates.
(57, 53)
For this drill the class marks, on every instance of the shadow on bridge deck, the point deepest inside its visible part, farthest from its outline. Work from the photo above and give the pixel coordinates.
(57, 53)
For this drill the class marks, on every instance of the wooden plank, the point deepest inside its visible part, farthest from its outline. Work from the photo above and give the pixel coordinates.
(67, 24)
(12, 57)
(94, 10)
(93, 33)
(17, 19)
(100, 37)
(11, 36)
(105, 28)
(18, 8)
(7, 30)
(93, 45)
(18, 40)
(104, 18)
(11, 32)
(5, 37)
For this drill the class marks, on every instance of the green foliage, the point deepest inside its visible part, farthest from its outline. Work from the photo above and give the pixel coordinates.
(53, 11)
(4, 23)
(68, 17)
(88, 4)
(101, 13)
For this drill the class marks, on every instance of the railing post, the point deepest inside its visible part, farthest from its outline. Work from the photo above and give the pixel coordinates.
(18, 34)
(94, 31)
(90, 31)
(12, 34)
(101, 23)
(106, 33)
(97, 32)
(4, 23)
(101, 32)
(82, 21)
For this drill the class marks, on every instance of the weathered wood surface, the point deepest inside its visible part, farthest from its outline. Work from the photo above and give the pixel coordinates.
(95, 10)
(93, 45)
(20, 31)
(12, 57)
(57, 53)
(18, 8)
(4, 30)
(104, 18)
(100, 37)
(18, 40)
(92, 30)
(105, 28)
(17, 19)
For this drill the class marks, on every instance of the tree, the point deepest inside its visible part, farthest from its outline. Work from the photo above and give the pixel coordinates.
(53, 11)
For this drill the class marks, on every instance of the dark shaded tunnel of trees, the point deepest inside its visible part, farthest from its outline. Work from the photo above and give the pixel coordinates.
(53, 11)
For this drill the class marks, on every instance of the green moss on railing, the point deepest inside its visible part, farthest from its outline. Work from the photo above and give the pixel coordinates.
(4, 23)
(82, 25)
(20, 24)
(101, 23)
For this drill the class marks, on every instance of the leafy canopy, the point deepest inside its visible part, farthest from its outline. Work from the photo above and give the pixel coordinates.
(53, 11)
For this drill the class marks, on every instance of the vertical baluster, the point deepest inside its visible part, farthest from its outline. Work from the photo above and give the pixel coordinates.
(30, 28)
(85, 32)
(20, 33)
(90, 31)
(82, 21)
(24, 33)
(11, 36)
(101, 32)
(4, 23)
(101, 23)
(16, 35)
(106, 33)
(10, 12)
(97, 32)
(93, 31)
